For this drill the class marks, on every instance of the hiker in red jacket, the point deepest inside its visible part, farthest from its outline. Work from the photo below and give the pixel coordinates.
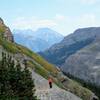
(50, 82)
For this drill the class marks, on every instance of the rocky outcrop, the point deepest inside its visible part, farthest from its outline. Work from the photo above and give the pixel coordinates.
(6, 33)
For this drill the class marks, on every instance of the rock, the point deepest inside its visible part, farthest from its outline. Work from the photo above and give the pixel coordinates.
(43, 92)
(7, 34)
(85, 64)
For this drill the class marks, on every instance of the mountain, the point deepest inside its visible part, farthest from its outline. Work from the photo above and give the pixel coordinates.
(41, 69)
(85, 63)
(38, 40)
(77, 55)
(5, 31)
(58, 53)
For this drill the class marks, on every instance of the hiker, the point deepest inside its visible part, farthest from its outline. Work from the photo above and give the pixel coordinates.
(50, 82)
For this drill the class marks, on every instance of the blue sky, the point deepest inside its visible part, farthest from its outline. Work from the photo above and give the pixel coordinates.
(64, 16)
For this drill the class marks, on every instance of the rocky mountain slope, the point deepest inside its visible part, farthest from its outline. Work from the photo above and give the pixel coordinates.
(85, 64)
(38, 40)
(38, 65)
(78, 54)
(6, 31)
(58, 53)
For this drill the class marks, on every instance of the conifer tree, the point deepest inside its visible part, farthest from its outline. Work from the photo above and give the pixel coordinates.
(15, 81)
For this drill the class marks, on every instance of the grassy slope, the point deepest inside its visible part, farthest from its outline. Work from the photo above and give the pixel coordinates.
(38, 61)
(42, 67)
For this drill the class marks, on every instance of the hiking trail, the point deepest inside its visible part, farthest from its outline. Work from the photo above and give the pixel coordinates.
(43, 92)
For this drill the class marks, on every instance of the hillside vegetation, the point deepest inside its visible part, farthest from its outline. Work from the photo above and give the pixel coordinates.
(15, 83)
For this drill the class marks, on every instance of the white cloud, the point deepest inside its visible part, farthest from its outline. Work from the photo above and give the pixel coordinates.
(60, 17)
(83, 21)
(74, 22)
(60, 23)
(86, 20)
(32, 23)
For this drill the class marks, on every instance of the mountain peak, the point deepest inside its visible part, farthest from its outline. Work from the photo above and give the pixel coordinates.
(46, 29)
(87, 29)
(38, 40)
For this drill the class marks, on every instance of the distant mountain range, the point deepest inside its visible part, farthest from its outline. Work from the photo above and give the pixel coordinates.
(78, 54)
(38, 40)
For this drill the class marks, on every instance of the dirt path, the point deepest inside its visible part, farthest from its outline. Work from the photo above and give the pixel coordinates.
(43, 92)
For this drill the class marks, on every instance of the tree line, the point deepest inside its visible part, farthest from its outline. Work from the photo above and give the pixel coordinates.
(16, 83)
